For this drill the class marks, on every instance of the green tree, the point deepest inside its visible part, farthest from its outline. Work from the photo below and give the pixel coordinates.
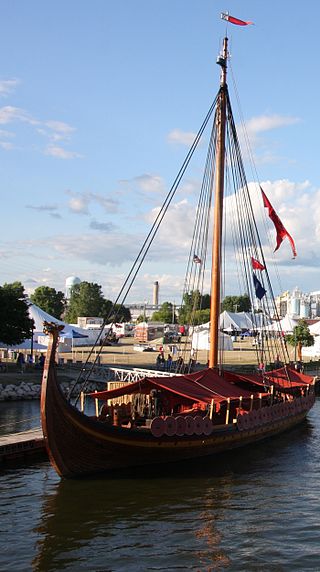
(166, 314)
(141, 318)
(86, 300)
(49, 300)
(300, 337)
(236, 303)
(193, 303)
(116, 313)
(15, 323)
(201, 316)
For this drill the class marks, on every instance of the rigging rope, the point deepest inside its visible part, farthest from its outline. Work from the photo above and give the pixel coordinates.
(85, 373)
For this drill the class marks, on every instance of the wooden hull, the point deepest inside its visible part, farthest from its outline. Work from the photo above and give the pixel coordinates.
(79, 445)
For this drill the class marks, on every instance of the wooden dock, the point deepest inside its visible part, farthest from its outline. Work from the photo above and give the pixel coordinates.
(19, 447)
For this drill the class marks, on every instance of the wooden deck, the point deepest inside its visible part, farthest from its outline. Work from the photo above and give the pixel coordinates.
(19, 447)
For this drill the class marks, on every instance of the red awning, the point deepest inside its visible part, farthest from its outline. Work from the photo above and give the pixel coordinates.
(201, 387)
(287, 377)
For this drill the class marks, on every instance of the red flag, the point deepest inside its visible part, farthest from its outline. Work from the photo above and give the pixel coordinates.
(256, 265)
(225, 16)
(281, 231)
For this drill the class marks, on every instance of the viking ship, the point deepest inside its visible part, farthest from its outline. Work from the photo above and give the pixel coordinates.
(191, 412)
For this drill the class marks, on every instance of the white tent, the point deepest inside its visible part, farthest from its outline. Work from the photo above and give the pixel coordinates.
(26, 345)
(285, 325)
(39, 317)
(315, 329)
(201, 338)
(239, 321)
(68, 335)
(312, 351)
(233, 321)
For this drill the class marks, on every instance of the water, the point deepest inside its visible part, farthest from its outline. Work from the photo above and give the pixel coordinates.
(253, 510)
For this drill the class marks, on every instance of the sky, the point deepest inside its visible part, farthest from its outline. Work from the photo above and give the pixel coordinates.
(99, 103)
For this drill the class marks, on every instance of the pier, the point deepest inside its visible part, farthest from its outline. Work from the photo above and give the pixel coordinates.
(20, 447)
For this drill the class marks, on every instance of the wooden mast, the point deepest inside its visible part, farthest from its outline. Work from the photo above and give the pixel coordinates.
(218, 210)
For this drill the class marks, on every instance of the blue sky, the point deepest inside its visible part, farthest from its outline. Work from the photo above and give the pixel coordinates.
(99, 101)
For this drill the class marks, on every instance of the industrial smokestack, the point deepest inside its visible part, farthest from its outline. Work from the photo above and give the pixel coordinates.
(156, 294)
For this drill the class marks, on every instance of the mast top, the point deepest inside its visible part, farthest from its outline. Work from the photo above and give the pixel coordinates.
(222, 62)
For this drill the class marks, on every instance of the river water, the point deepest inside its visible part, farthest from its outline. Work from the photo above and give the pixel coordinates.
(257, 509)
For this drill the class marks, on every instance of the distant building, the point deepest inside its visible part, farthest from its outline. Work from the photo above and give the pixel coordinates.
(145, 310)
(298, 305)
(88, 321)
(140, 309)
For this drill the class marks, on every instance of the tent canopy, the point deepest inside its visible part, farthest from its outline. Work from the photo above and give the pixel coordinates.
(26, 345)
(315, 329)
(40, 316)
(239, 321)
(286, 325)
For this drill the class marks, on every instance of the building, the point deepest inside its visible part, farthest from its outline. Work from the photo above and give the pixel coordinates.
(298, 304)
(142, 309)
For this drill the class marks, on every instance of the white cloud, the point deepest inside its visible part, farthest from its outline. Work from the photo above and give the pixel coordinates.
(60, 127)
(176, 226)
(109, 204)
(7, 86)
(9, 114)
(181, 137)
(251, 136)
(149, 183)
(113, 250)
(61, 153)
(268, 122)
(53, 130)
(79, 202)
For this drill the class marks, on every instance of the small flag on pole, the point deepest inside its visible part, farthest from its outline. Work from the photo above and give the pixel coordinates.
(196, 259)
(256, 265)
(259, 289)
(232, 20)
(281, 231)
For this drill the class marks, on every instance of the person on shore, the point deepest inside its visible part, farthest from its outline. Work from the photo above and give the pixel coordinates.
(21, 362)
(299, 366)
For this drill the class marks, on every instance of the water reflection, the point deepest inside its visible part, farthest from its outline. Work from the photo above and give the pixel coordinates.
(179, 518)
(19, 416)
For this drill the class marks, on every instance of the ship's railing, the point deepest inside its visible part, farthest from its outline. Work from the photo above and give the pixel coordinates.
(104, 373)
